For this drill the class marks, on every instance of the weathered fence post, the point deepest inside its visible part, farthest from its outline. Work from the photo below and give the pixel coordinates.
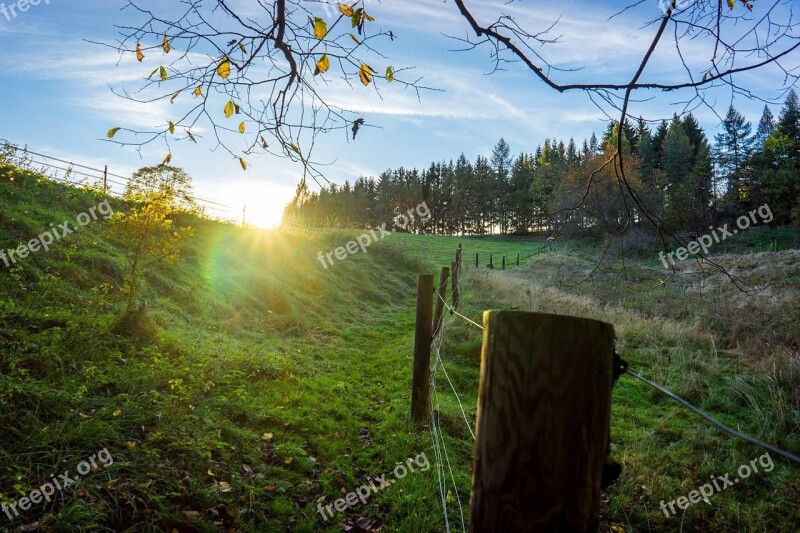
(518, 259)
(543, 421)
(504, 262)
(455, 272)
(476, 259)
(441, 296)
(420, 386)
(491, 261)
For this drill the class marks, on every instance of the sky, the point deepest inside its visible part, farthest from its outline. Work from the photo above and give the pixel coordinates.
(56, 92)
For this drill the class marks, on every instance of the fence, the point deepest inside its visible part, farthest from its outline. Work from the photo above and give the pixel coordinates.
(540, 457)
(78, 174)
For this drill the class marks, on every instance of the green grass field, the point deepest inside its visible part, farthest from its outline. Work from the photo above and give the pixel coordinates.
(259, 386)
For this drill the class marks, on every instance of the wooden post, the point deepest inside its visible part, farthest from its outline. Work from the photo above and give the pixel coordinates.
(518, 259)
(491, 262)
(476, 259)
(441, 290)
(420, 386)
(504, 262)
(543, 423)
(455, 272)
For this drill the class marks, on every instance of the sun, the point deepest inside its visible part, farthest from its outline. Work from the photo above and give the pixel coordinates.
(257, 203)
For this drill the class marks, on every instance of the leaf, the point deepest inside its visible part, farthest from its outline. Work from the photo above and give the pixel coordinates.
(288, 460)
(367, 17)
(224, 69)
(365, 74)
(352, 36)
(172, 127)
(270, 488)
(242, 127)
(198, 91)
(152, 73)
(189, 133)
(295, 148)
(266, 437)
(230, 107)
(243, 163)
(323, 64)
(356, 126)
(174, 96)
(242, 48)
(389, 74)
(167, 159)
(357, 15)
(112, 132)
(118, 412)
(346, 10)
(163, 73)
(166, 45)
(265, 145)
(320, 28)
(139, 54)
(731, 3)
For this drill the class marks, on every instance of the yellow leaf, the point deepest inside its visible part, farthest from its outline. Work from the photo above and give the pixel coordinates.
(152, 73)
(224, 69)
(163, 73)
(346, 10)
(270, 488)
(288, 460)
(172, 127)
(210, 473)
(243, 163)
(320, 28)
(230, 107)
(166, 45)
(242, 48)
(174, 96)
(365, 74)
(118, 412)
(242, 127)
(131, 445)
(83, 415)
(112, 132)
(324, 63)
(167, 159)
(296, 149)
(198, 91)
(731, 3)
(343, 490)
(355, 38)
(368, 17)
(389, 74)
(112, 484)
(139, 54)
(266, 437)
(189, 133)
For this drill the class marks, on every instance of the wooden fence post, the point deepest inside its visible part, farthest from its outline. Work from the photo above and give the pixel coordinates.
(491, 261)
(441, 296)
(504, 262)
(455, 272)
(543, 423)
(420, 386)
(476, 260)
(517, 259)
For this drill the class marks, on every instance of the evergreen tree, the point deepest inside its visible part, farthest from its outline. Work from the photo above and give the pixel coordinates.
(731, 155)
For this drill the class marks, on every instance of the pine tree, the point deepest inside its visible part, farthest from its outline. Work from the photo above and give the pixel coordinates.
(765, 128)
(732, 152)
(789, 123)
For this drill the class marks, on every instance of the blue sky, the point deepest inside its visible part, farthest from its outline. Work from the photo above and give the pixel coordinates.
(55, 93)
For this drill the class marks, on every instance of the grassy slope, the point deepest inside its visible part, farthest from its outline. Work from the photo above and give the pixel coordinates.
(254, 337)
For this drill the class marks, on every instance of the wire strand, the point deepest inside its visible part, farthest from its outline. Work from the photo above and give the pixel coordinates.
(716, 422)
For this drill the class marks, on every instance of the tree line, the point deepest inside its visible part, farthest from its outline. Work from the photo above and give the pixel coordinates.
(685, 181)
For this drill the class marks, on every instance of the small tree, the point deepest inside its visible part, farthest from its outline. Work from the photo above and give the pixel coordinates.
(148, 232)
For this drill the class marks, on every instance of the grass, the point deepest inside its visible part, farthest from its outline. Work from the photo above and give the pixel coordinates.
(258, 384)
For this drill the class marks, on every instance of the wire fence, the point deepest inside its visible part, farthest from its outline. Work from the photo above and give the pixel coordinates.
(444, 468)
(79, 174)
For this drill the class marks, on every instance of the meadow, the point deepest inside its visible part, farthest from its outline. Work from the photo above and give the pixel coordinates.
(255, 386)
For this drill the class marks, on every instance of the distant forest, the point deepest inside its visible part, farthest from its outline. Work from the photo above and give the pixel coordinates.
(684, 178)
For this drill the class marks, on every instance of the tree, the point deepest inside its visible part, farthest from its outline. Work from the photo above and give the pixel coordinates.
(147, 232)
(765, 128)
(732, 152)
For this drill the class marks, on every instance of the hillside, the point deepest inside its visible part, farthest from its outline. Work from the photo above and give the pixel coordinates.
(257, 387)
